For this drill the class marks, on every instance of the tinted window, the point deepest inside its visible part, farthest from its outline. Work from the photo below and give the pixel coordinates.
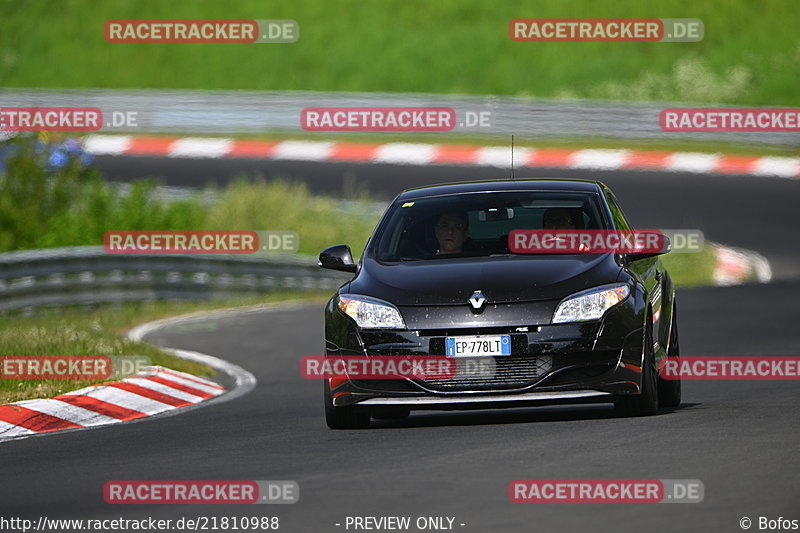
(478, 224)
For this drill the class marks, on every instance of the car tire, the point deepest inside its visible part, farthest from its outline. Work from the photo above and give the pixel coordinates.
(345, 417)
(669, 390)
(646, 402)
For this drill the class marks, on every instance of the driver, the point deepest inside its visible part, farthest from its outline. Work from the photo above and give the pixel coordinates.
(558, 218)
(451, 232)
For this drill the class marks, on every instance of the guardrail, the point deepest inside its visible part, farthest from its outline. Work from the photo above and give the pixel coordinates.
(88, 275)
(226, 112)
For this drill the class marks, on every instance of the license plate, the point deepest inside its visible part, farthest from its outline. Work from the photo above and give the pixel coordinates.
(477, 346)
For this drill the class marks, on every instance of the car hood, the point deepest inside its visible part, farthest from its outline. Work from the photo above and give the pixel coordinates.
(502, 279)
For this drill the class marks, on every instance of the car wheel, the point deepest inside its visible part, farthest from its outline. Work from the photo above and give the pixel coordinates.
(346, 417)
(391, 413)
(646, 402)
(669, 390)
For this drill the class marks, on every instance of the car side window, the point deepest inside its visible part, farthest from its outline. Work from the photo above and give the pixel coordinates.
(620, 222)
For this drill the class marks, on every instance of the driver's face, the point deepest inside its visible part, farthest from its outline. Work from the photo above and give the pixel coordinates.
(451, 232)
(559, 220)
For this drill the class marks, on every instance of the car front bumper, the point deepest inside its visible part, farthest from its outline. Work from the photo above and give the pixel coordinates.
(549, 363)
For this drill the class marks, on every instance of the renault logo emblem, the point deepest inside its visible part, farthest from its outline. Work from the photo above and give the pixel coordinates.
(477, 301)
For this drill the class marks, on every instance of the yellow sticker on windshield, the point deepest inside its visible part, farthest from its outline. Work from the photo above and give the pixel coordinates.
(408, 204)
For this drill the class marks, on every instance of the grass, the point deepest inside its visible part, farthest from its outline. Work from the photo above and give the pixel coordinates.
(750, 54)
(73, 206)
(282, 205)
(100, 332)
(691, 269)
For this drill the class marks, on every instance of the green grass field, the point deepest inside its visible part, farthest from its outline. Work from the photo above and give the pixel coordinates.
(750, 53)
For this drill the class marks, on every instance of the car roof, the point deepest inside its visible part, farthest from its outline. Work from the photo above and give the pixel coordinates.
(464, 187)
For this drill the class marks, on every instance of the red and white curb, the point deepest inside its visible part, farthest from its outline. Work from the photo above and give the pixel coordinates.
(443, 154)
(737, 265)
(155, 391)
(150, 392)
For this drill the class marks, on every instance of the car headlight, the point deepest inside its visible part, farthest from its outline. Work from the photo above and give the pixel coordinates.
(371, 313)
(591, 304)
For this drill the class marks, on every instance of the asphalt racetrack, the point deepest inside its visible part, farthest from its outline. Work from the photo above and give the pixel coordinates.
(739, 438)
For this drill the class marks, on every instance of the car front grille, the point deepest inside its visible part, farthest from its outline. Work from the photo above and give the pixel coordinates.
(493, 373)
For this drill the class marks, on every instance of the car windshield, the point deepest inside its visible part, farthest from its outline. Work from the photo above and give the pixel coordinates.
(478, 224)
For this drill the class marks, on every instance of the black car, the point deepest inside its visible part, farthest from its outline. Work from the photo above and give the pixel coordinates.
(438, 277)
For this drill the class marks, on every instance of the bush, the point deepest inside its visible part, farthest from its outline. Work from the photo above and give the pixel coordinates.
(73, 205)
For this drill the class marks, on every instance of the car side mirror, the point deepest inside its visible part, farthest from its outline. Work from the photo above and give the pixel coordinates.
(337, 258)
(635, 256)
